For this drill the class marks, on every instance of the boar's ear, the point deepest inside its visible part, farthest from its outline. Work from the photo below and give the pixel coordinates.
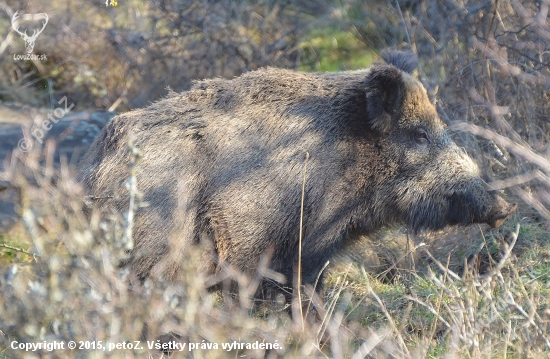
(384, 88)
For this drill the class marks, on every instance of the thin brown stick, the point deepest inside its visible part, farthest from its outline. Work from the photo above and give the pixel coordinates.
(524, 152)
(517, 180)
(300, 237)
(505, 256)
(393, 326)
(18, 250)
(315, 286)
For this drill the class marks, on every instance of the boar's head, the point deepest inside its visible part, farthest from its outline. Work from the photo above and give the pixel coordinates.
(428, 181)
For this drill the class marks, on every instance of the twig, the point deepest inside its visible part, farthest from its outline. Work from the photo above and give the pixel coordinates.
(19, 250)
(505, 257)
(404, 22)
(391, 321)
(430, 308)
(505, 142)
(325, 323)
(88, 199)
(527, 198)
(315, 286)
(371, 343)
(514, 181)
(394, 265)
(131, 185)
(300, 237)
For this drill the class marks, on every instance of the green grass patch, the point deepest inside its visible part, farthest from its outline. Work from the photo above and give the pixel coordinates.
(9, 255)
(330, 49)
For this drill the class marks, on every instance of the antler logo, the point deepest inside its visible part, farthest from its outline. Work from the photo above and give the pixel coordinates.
(29, 40)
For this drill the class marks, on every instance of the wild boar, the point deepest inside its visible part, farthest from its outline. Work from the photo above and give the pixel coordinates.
(224, 162)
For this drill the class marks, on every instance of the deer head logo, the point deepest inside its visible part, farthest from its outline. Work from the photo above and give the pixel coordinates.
(29, 40)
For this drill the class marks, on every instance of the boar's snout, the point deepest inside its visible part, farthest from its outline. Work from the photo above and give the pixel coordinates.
(472, 200)
(479, 206)
(501, 210)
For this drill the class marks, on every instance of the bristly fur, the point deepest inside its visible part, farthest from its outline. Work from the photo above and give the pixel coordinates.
(222, 165)
(405, 61)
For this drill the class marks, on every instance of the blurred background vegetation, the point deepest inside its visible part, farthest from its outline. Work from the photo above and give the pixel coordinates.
(456, 293)
(132, 52)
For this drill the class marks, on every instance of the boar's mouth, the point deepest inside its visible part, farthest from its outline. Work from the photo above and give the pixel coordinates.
(465, 209)
(501, 214)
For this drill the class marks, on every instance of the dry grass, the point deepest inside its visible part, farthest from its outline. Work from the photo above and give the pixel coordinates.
(472, 293)
(74, 290)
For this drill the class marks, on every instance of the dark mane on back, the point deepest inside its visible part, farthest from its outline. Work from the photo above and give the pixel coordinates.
(403, 60)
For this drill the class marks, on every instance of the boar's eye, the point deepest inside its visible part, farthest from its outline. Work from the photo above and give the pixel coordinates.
(421, 136)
